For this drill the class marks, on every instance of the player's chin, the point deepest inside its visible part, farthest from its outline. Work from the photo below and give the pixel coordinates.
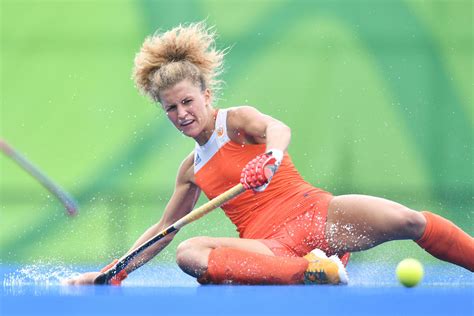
(189, 131)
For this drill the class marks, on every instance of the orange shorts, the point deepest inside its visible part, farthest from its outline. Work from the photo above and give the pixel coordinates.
(299, 236)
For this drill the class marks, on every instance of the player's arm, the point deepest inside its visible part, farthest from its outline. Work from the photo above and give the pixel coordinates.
(247, 125)
(183, 200)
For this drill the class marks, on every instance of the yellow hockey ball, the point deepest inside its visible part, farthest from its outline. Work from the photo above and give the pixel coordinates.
(409, 272)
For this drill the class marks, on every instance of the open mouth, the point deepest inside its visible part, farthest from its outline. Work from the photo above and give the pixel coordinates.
(186, 123)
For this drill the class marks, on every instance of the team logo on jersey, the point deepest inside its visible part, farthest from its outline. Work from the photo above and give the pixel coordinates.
(220, 131)
(197, 160)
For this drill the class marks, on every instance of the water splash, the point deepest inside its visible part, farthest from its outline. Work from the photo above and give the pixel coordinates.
(39, 274)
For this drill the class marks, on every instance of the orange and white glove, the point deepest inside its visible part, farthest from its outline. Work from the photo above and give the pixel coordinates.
(257, 174)
(119, 277)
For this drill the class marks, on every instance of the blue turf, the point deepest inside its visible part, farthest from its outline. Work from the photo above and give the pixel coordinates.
(164, 290)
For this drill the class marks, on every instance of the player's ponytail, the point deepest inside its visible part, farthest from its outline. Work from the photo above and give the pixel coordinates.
(185, 52)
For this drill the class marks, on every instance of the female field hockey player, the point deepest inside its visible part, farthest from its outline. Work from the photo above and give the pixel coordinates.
(290, 231)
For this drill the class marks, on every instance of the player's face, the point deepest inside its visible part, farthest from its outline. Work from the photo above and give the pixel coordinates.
(189, 109)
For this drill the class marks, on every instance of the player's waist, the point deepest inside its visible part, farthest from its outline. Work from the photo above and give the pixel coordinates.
(270, 205)
(265, 222)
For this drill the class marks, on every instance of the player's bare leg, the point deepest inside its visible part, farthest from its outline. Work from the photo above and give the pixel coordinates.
(192, 254)
(359, 222)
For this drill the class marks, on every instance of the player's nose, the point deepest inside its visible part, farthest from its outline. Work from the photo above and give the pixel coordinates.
(182, 113)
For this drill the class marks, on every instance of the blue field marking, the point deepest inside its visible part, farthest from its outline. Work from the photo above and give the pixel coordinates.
(155, 290)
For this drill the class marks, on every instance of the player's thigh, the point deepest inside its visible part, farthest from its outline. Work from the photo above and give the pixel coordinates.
(206, 244)
(375, 219)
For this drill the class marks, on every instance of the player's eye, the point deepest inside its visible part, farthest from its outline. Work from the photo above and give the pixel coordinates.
(170, 108)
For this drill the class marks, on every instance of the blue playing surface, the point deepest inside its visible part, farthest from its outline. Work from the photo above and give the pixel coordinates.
(164, 290)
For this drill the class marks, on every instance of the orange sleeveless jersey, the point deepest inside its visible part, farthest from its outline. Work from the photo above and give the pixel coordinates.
(218, 165)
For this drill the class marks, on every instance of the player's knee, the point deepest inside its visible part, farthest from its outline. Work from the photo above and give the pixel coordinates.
(192, 243)
(410, 224)
(183, 254)
(185, 247)
(187, 250)
(415, 223)
(192, 255)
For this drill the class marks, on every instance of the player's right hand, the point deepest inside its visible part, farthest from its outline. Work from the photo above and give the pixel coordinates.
(257, 174)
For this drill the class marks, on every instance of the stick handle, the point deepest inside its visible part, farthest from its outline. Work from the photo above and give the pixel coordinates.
(209, 206)
(190, 217)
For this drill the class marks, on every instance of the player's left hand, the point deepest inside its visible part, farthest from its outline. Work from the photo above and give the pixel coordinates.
(84, 279)
(89, 277)
(257, 174)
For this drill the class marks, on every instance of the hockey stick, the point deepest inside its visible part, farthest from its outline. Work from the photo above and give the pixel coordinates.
(105, 277)
(67, 201)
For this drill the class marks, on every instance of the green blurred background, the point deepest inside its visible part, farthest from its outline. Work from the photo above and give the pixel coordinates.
(379, 96)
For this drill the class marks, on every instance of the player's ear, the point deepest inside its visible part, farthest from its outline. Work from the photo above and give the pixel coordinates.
(208, 96)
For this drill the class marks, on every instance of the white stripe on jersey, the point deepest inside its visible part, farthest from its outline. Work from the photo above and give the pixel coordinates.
(204, 153)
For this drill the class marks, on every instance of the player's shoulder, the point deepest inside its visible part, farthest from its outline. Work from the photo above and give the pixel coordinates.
(241, 110)
(240, 114)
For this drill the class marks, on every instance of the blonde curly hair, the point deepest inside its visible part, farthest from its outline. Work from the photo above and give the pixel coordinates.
(184, 52)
